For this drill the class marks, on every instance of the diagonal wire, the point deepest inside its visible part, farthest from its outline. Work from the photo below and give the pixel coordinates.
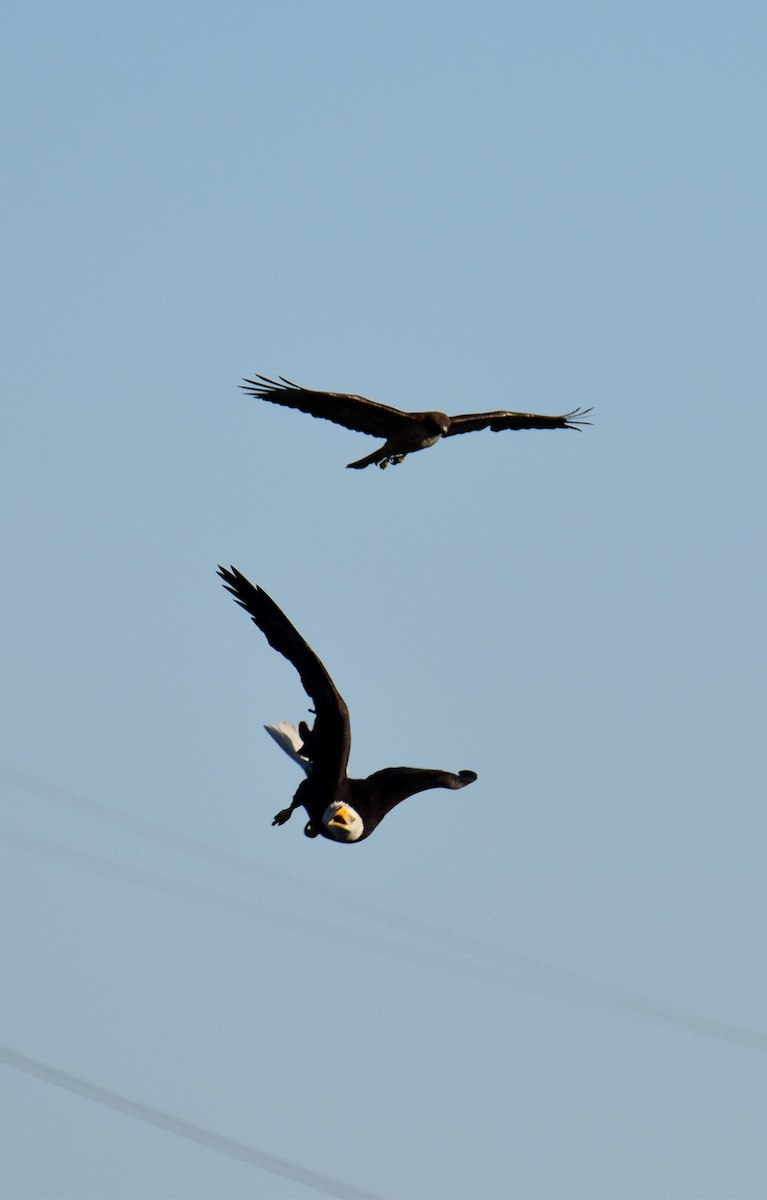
(553, 983)
(211, 898)
(490, 963)
(181, 1128)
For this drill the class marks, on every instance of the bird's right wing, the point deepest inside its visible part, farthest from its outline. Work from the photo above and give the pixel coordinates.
(353, 412)
(330, 739)
(496, 421)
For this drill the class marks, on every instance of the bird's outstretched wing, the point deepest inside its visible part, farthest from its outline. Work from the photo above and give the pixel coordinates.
(470, 422)
(377, 795)
(329, 742)
(353, 412)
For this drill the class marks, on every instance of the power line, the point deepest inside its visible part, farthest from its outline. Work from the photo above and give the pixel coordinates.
(181, 1128)
(553, 983)
(247, 866)
(489, 963)
(221, 900)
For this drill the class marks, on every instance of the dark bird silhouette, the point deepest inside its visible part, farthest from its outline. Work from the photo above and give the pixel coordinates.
(404, 432)
(339, 808)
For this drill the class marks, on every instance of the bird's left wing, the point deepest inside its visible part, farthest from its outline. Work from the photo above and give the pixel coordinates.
(353, 412)
(470, 422)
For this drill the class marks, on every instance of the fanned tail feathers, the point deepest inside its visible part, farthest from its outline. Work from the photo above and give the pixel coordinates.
(289, 739)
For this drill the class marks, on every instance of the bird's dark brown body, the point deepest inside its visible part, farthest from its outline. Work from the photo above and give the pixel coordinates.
(338, 807)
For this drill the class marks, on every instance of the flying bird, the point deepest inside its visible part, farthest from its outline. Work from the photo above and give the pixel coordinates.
(339, 808)
(404, 432)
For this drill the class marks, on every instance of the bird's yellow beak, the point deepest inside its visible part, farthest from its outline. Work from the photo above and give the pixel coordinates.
(341, 819)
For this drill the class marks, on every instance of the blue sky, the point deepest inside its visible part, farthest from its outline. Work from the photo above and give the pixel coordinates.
(553, 983)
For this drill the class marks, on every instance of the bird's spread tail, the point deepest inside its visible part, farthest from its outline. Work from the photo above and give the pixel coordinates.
(380, 456)
(289, 739)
